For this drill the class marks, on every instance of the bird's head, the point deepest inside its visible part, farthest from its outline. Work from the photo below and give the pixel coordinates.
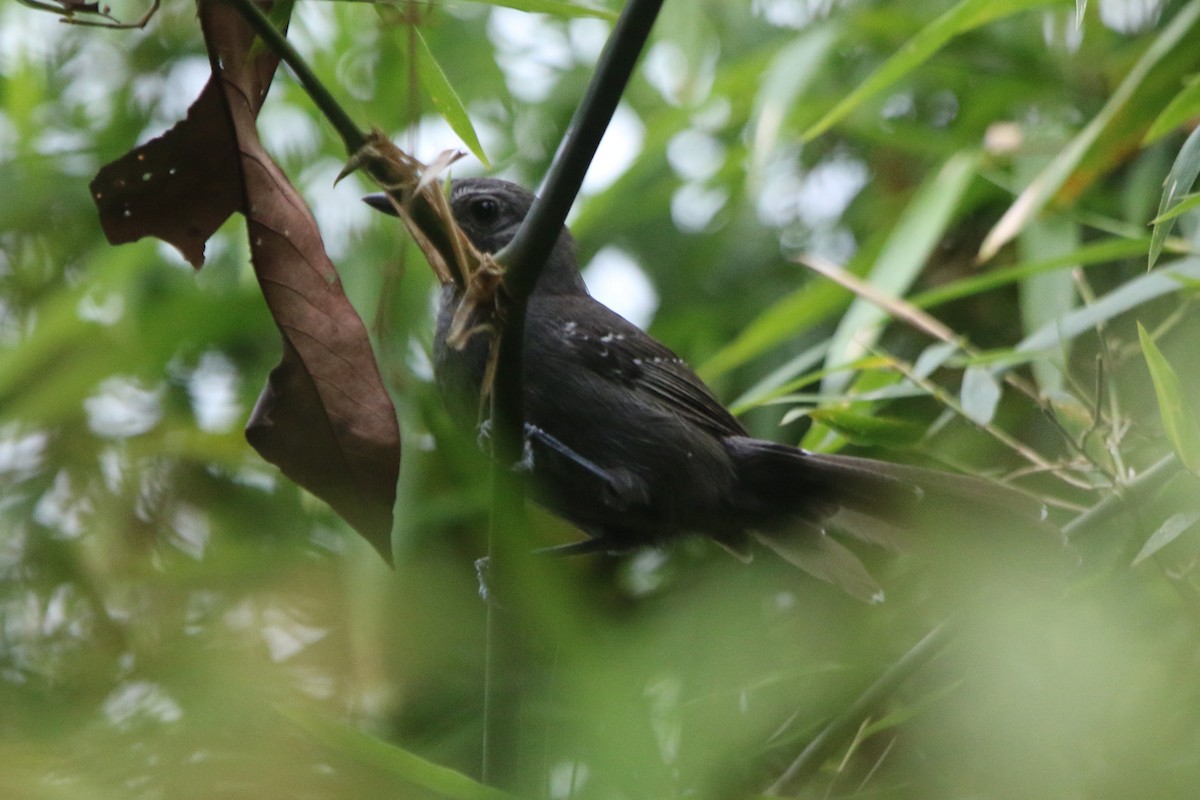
(489, 211)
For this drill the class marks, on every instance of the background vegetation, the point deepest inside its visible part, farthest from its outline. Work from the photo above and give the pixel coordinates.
(177, 620)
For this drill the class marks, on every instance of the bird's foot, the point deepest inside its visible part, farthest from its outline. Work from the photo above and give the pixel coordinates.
(483, 574)
(483, 437)
(526, 463)
(535, 436)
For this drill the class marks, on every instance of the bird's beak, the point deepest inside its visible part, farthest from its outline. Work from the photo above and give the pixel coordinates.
(380, 202)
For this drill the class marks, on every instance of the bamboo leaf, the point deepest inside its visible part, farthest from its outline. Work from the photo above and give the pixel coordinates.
(1086, 256)
(1182, 108)
(1186, 203)
(1179, 181)
(446, 100)
(965, 16)
(980, 394)
(932, 358)
(866, 429)
(1169, 531)
(558, 8)
(411, 768)
(800, 310)
(1179, 422)
(790, 73)
(1124, 298)
(900, 261)
(1035, 196)
(1048, 296)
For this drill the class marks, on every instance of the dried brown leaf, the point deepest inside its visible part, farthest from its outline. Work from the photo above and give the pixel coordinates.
(179, 187)
(324, 418)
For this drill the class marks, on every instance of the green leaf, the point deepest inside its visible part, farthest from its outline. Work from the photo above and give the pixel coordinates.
(557, 8)
(1178, 183)
(932, 358)
(1168, 532)
(800, 310)
(1177, 417)
(1089, 255)
(445, 99)
(1186, 203)
(900, 261)
(781, 380)
(1182, 108)
(790, 73)
(1124, 298)
(980, 394)
(352, 743)
(966, 16)
(1047, 296)
(866, 429)
(281, 13)
(1035, 196)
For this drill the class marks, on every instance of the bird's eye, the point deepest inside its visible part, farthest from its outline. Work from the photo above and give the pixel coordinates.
(485, 210)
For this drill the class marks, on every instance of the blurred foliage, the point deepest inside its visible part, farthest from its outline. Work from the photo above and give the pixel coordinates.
(177, 621)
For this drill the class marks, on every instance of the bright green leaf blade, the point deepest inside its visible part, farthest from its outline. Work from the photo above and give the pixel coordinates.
(1179, 182)
(1186, 203)
(865, 429)
(900, 261)
(980, 394)
(1089, 255)
(964, 17)
(445, 99)
(790, 73)
(800, 310)
(1049, 295)
(557, 8)
(1169, 531)
(780, 380)
(1177, 418)
(1035, 196)
(281, 13)
(409, 767)
(908, 710)
(1124, 298)
(932, 358)
(1182, 108)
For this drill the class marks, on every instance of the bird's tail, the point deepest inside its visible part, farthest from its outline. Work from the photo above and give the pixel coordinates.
(794, 500)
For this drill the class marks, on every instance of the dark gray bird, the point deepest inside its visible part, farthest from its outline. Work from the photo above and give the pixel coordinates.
(626, 442)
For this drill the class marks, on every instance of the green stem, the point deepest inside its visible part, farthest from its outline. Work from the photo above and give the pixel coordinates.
(838, 731)
(524, 258)
(529, 249)
(353, 138)
(833, 735)
(1136, 491)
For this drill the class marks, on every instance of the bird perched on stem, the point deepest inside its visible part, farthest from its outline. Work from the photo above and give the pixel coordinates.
(626, 442)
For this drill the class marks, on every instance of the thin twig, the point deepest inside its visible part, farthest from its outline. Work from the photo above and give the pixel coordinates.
(1000, 435)
(920, 320)
(68, 10)
(352, 137)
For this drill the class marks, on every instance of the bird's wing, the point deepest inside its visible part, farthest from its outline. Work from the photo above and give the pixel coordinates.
(618, 350)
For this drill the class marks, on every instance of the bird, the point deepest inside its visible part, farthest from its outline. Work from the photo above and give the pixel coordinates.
(626, 442)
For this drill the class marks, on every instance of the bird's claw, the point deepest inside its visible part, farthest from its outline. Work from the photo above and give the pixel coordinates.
(483, 437)
(526, 463)
(483, 571)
